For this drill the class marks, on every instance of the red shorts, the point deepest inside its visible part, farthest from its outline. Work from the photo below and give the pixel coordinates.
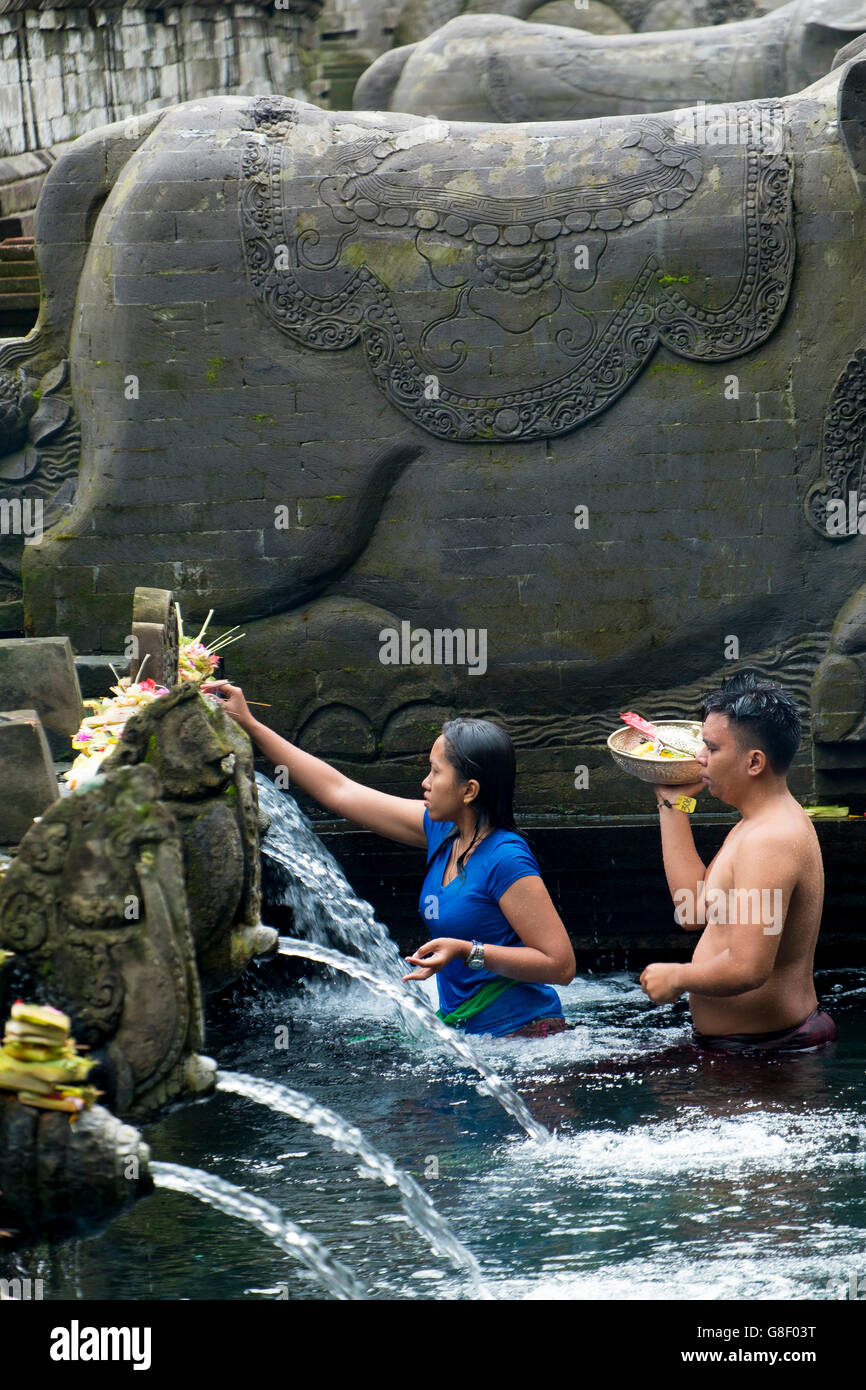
(540, 1028)
(812, 1033)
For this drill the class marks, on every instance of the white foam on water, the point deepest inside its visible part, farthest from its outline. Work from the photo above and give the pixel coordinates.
(694, 1143)
(324, 1001)
(588, 1042)
(417, 1009)
(593, 1039)
(348, 1138)
(677, 1277)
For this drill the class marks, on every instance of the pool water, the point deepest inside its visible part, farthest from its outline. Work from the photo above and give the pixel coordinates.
(670, 1175)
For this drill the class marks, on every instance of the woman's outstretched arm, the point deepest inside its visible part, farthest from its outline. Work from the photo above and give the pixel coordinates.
(396, 817)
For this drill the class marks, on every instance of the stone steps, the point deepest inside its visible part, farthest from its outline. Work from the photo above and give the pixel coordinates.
(19, 284)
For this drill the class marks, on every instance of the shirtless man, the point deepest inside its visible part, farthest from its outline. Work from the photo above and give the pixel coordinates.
(750, 981)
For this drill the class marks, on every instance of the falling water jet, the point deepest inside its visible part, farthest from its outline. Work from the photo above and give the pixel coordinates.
(267, 1218)
(317, 890)
(417, 1205)
(508, 1099)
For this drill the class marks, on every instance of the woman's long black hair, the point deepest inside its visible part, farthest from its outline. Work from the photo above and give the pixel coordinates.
(480, 749)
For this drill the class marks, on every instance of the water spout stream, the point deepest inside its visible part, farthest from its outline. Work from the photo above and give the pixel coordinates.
(311, 882)
(345, 1137)
(267, 1218)
(499, 1089)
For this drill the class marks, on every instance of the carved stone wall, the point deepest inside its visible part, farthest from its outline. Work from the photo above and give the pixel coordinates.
(568, 387)
(66, 68)
(468, 243)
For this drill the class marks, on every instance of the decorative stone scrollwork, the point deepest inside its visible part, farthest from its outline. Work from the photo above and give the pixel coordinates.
(503, 264)
(90, 977)
(27, 914)
(46, 852)
(39, 436)
(843, 466)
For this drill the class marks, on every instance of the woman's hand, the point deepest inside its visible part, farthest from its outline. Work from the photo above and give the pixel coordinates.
(232, 698)
(434, 954)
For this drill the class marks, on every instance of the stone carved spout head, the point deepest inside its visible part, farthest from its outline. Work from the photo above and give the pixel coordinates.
(184, 740)
(94, 909)
(205, 764)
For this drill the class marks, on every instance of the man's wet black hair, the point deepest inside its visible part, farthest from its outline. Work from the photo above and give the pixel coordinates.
(480, 749)
(763, 714)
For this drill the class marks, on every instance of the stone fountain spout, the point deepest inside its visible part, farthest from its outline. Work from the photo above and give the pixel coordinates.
(127, 901)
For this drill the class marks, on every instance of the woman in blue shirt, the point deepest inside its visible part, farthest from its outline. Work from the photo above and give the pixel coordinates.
(500, 942)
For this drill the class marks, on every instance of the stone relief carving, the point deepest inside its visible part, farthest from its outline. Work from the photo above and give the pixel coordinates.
(843, 467)
(838, 695)
(510, 263)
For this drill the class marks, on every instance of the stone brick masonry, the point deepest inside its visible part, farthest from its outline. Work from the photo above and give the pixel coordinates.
(67, 68)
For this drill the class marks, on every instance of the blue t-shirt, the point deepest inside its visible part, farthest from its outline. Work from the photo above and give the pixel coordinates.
(468, 908)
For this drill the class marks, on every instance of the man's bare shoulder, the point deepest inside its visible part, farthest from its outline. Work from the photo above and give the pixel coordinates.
(781, 833)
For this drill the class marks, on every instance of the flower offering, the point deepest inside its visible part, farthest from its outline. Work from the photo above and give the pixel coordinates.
(40, 1063)
(103, 728)
(197, 661)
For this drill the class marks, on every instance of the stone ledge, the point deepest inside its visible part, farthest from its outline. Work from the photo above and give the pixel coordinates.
(14, 168)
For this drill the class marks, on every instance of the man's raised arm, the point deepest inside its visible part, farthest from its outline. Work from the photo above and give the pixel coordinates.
(684, 868)
(763, 878)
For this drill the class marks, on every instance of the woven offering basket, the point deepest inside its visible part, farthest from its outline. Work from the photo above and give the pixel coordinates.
(671, 772)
